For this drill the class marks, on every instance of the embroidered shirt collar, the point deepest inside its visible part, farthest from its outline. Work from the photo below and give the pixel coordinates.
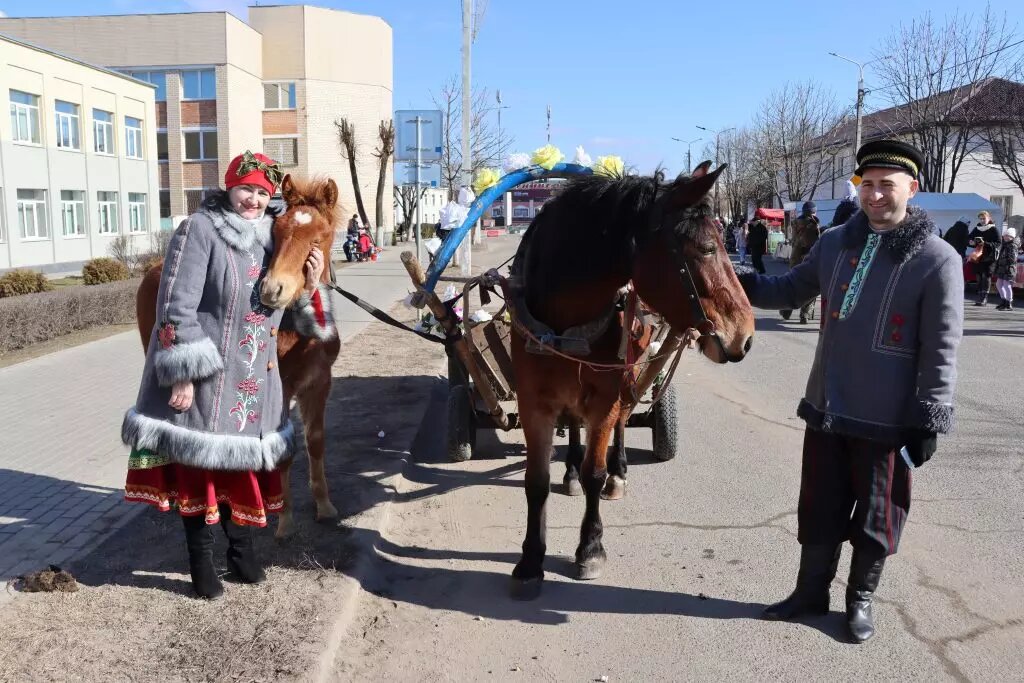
(903, 241)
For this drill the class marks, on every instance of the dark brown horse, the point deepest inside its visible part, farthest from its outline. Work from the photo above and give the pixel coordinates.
(304, 361)
(593, 238)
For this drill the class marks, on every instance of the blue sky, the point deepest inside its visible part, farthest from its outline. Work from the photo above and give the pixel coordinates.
(621, 78)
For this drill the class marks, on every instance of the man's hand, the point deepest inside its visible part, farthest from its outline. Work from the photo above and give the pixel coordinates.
(181, 396)
(314, 268)
(921, 445)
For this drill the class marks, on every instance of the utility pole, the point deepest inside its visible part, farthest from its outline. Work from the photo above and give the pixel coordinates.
(718, 135)
(549, 124)
(689, 162)
(467, 161)
(861, 92)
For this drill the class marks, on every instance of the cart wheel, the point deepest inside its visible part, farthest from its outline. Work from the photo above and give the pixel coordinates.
(461, 424)
(666, 425)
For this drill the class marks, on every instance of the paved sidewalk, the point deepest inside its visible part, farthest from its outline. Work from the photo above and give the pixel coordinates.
(62, 464)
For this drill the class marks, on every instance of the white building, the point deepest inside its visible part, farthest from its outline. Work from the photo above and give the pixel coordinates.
(78, 160)
(430, 206)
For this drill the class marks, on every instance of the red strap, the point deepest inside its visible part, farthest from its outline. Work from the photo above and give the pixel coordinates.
(318, 309)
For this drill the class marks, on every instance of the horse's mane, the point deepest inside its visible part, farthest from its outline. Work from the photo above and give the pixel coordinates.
(593, 227)
(312, 192)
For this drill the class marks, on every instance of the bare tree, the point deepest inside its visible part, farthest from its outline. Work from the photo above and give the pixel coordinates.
(486, 148)
(385, 149)
(745, 181)
(931, 73)
(407, 199)
(795, 133)
(349, 150)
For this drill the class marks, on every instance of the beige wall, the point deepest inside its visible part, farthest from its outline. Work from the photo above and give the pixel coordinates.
(46, 167)
(284, 40)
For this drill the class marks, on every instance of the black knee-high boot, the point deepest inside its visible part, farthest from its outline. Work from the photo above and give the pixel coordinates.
(199, 540)
(817, 569)
(242, 560)
(865, 573)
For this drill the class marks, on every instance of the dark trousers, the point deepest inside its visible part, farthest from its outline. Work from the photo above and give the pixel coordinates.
(984, 281)
(757, 259)
(852, 489)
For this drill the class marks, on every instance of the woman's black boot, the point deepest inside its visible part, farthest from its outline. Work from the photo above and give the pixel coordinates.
(865, 573)
(242, 560)
(199, 540)
(817, 569)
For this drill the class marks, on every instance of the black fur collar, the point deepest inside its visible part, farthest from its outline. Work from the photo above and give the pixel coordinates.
(903, 241)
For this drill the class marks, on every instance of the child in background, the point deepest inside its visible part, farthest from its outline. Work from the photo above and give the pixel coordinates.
(1006, 269)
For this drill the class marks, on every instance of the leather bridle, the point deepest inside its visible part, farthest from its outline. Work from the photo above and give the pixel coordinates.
(702, 323)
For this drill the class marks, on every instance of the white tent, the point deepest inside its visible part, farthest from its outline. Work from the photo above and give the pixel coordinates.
(943, 208)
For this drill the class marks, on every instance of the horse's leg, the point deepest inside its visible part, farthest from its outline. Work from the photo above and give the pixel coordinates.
(312, 406)
(590, 555)
(573, 462)
(615, 485)
(538, 428)
(285, 523)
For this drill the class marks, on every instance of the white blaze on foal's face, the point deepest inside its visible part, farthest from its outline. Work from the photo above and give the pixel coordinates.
(303, 218)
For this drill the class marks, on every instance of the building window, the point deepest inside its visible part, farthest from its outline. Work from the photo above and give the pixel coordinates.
(103, 131)
(132, 137)
(194, 199)
(161, 145)
(72, 212)
(67, 125)
(199, 85)
(165, 203)
(279, 96)
(24, 117)
(157, 78)
(32, 214)
(200, 145)
(284, 151)
(136, 212)
(1002, 153)
(496, 212)
(107, 204)
(520, 212)
(1005, 202)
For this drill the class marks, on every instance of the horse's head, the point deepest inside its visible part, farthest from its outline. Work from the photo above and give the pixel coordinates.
(683, 271)
(309, 221)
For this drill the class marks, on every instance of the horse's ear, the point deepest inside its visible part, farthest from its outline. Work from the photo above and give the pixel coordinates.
(701, 170)
(329, 193)
(288, 192)
(693, 189)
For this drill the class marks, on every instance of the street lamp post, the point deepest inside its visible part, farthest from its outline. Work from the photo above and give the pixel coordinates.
(860, 90)
(689, 163)
(718, 135)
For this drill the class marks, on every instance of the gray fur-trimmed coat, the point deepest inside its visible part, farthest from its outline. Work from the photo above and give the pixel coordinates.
(212, 329)
(886, 355)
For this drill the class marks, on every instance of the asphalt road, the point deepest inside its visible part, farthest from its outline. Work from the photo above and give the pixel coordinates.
(700, 544)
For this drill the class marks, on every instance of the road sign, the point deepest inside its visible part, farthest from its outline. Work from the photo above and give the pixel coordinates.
(430, 134)
(405, 173)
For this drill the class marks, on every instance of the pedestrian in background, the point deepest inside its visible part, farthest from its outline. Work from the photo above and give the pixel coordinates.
(740, 232)
(882, 380)
(1006, 269)
(757, 244)
(985, 234)
(806, 231)
(957, 236)
(844, 211)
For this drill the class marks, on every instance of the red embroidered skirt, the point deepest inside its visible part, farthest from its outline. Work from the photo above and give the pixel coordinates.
(194, 491)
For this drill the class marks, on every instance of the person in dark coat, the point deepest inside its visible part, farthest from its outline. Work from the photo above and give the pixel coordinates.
(881, 385)
(957, 237)
(844, 211)
(1006, 269)
(757, 244)
(806, 231)
(986, 232)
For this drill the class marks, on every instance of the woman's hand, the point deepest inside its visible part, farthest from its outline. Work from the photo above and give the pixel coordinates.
(181, 396)
(314, 268)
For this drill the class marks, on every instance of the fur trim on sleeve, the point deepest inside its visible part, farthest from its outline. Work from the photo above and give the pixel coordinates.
(932, 417)
(187, 362)
(313, 316)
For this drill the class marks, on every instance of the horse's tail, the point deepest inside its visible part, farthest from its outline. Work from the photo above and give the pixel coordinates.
(145, 302)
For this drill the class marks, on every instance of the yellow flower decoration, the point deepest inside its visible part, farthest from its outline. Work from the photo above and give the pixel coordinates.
(611, 166)
(486, 178)
(547, 156)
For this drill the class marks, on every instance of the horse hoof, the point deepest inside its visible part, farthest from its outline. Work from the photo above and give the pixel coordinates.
(614, 488)
(326, 512)
(284, 530)
(573, 487)
(591, 569)
(526, 589)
